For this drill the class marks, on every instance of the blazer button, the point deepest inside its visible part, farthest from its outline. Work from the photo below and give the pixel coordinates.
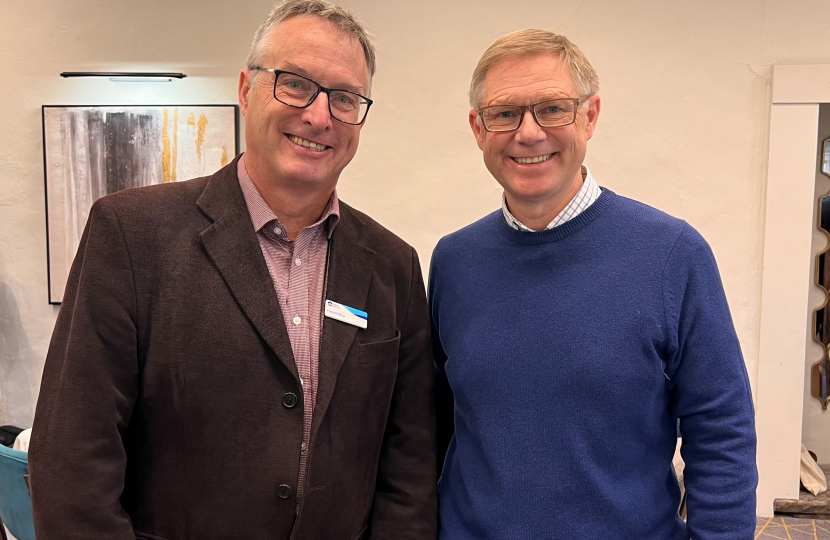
(284, 491)
(289, 400)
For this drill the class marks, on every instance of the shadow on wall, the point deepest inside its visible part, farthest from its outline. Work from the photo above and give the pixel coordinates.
(16, 364)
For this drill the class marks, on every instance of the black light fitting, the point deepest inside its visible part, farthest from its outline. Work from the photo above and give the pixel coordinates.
(127, 76)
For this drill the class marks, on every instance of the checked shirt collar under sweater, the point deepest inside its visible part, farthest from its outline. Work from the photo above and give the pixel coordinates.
(585, 197)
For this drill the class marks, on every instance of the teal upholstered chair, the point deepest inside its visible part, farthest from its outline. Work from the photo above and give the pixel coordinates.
(15, 504)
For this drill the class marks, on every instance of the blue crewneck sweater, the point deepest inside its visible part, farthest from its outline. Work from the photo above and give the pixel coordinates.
(566, 357)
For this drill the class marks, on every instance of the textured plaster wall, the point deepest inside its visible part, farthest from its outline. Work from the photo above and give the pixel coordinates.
(684, 121)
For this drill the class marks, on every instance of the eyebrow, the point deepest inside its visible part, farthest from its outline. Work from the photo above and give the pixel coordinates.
(539, 98)
(290, 66)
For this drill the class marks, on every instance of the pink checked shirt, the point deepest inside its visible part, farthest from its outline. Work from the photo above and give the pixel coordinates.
(298, 270)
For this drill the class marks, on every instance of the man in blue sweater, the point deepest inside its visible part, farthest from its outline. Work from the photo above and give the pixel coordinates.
(573, 327)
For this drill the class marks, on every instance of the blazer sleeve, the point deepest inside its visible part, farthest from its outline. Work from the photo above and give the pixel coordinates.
(405, 506)
(77, 457)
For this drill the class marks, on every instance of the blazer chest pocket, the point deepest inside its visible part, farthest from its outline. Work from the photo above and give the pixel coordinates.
(379, 352)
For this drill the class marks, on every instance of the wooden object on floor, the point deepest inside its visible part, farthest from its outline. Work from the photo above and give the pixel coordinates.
(807, 504)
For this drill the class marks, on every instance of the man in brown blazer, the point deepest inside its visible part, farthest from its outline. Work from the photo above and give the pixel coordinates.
(243, 356)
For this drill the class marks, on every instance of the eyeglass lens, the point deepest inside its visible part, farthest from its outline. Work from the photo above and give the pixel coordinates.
(553, 113)
(298, 91)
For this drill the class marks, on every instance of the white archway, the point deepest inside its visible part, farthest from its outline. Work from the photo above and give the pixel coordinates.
(797, 93)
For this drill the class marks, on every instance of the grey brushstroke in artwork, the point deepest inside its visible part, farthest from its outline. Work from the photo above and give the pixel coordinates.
(95, 151)
(107, 152)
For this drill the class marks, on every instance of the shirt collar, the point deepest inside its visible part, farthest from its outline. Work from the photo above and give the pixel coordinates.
(585, 197)
(261, 214)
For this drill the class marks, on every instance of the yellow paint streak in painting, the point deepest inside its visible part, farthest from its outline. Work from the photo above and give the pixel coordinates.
(175, 144)
(224, 155)
(191, 120)
(200, 134)
(165, 150)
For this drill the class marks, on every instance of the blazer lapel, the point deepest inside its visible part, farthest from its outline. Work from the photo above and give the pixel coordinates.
(351, 266)
(231, 243)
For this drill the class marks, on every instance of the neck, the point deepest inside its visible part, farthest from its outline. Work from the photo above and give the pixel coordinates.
(297, 208)
(536, 214)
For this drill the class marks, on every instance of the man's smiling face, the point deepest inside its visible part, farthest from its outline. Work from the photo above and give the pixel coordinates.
(532, 163)
(302, 149)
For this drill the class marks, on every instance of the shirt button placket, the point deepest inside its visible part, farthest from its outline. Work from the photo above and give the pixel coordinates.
(299, 307)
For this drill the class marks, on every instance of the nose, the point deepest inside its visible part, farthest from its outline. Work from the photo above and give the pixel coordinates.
(530, 132)
(317, 114)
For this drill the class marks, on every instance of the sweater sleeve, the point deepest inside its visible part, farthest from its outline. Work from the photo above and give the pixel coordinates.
(710, 395)
(444, 402)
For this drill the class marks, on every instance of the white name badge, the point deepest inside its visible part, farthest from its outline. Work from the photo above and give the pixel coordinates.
(346, 314)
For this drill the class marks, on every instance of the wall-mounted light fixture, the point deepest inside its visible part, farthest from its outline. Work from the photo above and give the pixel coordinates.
(127, 76)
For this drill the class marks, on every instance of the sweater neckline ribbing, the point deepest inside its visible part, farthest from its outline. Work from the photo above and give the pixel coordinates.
(561, 231)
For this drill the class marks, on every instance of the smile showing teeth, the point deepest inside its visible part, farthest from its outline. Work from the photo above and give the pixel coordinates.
(537, 159)
(307, 144)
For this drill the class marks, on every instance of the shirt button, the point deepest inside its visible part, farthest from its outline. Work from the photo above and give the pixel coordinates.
(302, 382)
(277, 230)
(298, 262)
(304, 448)
(297, 320)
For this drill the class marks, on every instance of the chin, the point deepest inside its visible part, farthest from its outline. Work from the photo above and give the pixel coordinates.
(531, 190)
(313, 180)
(304, 172)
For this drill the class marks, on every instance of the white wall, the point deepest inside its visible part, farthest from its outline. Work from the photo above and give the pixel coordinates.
(38, 40)
(684, 123)
(816, 422)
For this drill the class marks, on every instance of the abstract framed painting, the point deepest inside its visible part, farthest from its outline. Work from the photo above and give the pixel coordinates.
(92, 151)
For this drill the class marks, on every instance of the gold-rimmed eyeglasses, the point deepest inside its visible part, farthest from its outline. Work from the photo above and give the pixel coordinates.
(550, 113)
(297, 91)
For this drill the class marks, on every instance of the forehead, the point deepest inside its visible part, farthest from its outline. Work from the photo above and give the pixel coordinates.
(324, 51)
(527, 79)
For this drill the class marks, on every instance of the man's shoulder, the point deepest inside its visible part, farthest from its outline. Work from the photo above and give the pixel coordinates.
(156, 211)
(156, 215)
(469, 234)
(156, 199)
(644, 215)
(648, 224)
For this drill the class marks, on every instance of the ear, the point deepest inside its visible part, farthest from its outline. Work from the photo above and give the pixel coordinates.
(478, 129)
(245, 85)
(593, 104)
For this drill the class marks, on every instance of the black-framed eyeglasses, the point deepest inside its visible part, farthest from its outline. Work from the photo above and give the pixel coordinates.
(300, 92)
(550, 113)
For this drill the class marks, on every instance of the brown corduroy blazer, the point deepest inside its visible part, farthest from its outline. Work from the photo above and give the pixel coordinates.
(162, 414)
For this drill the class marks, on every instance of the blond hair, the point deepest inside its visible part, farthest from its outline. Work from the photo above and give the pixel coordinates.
(318, 8)
(529, 42)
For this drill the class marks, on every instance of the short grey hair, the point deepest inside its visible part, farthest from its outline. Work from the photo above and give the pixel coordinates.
(318, 8)
(529, 42)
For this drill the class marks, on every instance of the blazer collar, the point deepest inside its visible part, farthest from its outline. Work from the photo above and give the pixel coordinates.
(231, 243)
